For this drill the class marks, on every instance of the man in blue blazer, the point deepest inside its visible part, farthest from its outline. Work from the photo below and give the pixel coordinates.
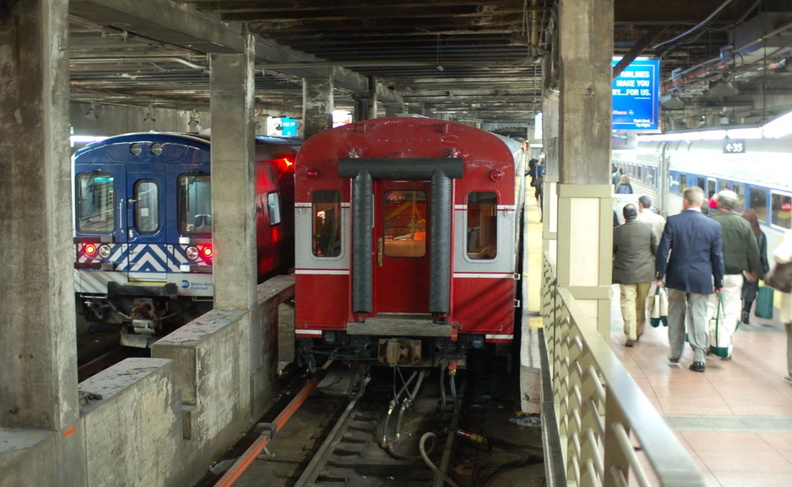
(696, 258)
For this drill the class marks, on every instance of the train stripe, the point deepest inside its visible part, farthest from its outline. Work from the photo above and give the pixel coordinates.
(332, 272)
(483, 275)
(499, 337)
(308, 332)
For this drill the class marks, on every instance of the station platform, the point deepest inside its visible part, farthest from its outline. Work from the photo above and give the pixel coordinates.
(734, 420)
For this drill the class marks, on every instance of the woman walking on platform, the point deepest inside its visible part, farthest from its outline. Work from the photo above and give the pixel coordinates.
(749, 289)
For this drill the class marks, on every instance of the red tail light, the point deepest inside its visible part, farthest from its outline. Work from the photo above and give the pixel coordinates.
(207, 251)
(90, 249)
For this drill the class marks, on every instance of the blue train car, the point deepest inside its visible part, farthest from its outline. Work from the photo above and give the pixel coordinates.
(143, 227)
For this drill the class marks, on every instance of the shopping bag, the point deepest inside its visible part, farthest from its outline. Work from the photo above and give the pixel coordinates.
(658, 308)
(764, 303)
(719, 342)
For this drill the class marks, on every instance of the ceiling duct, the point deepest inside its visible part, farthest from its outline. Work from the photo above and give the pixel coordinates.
(746, 37)
(722, 87)
(672, 100)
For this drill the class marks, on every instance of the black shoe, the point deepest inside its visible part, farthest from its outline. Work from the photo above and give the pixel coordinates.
(629, 343)
(697, 367)
(674, 360)
(746, 317)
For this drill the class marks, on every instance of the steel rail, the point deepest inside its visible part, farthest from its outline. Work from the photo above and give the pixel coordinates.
(244, 461)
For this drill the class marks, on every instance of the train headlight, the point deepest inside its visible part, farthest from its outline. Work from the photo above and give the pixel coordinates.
(135, 149)
(104, 251)
(191, 252)
(156, 149)
(496, 175)
(312, 173)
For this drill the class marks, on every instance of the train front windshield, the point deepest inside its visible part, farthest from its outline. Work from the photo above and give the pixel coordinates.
(195, 204)
(95, 203)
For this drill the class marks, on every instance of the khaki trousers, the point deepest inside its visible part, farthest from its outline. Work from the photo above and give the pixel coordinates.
(633, 308)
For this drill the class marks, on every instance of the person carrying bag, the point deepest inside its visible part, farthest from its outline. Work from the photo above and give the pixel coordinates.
(720, 342)
(658, 308)
(764, 302)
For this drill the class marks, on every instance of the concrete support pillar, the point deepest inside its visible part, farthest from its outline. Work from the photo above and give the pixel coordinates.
(550, 125)
(233, 192)
(38, 360)
(317, 105)
(584, 191)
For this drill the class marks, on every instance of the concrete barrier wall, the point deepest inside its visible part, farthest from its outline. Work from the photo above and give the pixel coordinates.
(164, 420)
(27, 457)
(131, 425)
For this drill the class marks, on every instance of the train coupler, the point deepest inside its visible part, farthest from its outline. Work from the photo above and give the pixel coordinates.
(394, 351)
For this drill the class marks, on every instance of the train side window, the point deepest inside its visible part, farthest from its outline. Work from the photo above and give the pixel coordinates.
(147, 207)
(195, 203)
(326, 223)
(274, 206)
(740, 190)
(757, 200)
(482, 225)
(781, 209)
(95, 203)
(405, 223)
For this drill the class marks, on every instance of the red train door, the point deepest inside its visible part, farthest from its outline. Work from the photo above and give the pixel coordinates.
(401, 267)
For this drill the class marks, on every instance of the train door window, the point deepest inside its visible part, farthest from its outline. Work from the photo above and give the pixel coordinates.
(712, 187)
(95, 203)
(195, 203)
(739, 189)
(405, 223)
(147, 207)
(273, 204)
(651, 176)
(757, 200)
(482, 225)
(781, 209)
(682, 183)
(639, 173)
(326, 223)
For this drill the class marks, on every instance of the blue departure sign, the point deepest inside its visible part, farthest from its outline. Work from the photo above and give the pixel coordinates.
(289, 127)
(636, 96)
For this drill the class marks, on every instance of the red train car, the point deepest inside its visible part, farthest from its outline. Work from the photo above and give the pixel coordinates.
(407, 232)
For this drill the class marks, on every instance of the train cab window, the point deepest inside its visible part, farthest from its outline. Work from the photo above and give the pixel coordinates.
(757, 200)
(326, 223)
(273, 204)
(405, 223)
(482, 225)
(147, 207)
(781, 210)
(195, 204)
(95, 203)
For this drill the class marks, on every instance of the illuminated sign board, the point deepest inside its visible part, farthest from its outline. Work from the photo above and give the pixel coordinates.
(636, 96)
(289, 127)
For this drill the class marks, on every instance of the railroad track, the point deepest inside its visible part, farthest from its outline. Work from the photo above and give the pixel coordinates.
(373, 439)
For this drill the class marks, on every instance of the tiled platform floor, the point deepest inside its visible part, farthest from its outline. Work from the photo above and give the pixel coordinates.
(735, 419)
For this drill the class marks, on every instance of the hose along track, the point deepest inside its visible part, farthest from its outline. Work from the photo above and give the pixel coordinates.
(365, 448)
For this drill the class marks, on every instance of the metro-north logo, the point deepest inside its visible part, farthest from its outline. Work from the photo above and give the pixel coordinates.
(185, 284)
